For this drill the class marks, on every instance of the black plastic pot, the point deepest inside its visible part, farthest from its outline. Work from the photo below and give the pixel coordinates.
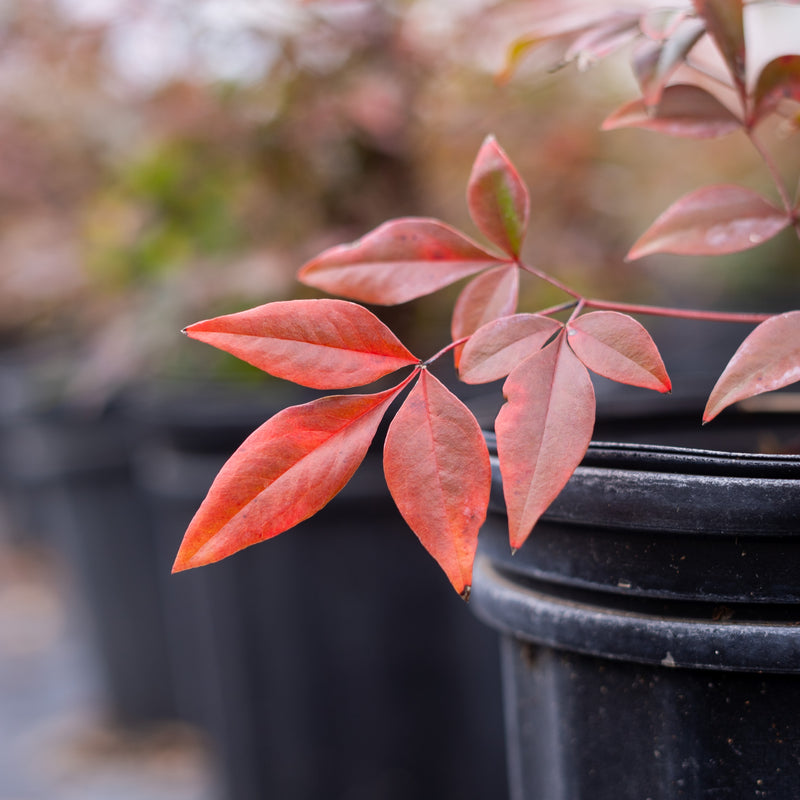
(651, 623)
(333, 661)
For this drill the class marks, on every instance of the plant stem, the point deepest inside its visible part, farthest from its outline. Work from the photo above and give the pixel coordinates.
(769, 162)
(679, 313)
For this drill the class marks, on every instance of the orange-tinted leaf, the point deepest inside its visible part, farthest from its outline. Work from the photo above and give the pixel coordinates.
(778, 81)
(542, 432)
(494, 350)
(711, 221)
(654, 62)
(725, 24)
(616, 346)
(491, 295)
(768, 359)
(438, 471)
(497, 198)
(283, 473)
(684, 110)
(324, 344)
(398, 261)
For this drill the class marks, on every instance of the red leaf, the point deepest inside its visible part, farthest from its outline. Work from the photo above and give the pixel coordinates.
(542, 432)
(491, 295)
(711, 221)
(778, 81)
(616, 346)
(398, 261)
(324, 344)
(684, 110)
(725, 24)
(438, 471)
(494, 350)
(497, 198)
(768, 359)
(283, 473)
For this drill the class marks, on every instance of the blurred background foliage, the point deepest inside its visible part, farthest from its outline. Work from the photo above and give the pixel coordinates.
(165, 161)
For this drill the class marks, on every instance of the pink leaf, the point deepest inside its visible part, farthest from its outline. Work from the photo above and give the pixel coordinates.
(711, 221)
(283, 473)
(497, 198)
(491, 295)
(768, 359)
(778, 81)
(724, 21)
(603, 38)
(438, 471)
(616, 346)
(542, 432)
(398, 261)
(324, 344)
(684, 110)
(494, 350)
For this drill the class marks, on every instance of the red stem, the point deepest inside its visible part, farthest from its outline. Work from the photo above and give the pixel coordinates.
(680, 313)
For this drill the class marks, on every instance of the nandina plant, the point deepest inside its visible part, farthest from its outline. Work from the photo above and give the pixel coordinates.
(435, 456)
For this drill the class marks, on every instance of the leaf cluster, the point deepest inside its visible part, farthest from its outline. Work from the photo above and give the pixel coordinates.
(436, 462)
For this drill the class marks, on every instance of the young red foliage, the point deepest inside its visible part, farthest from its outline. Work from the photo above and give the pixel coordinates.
(684, 110)
(499, 346)
(543, 431)
(712, 221)
(777, 82)
(724, 21)
(438, 472)
(617, 347)
(398, 261)
(497, 198)
(283, 473)
(768, 359)
(489, 296)
(323, 344)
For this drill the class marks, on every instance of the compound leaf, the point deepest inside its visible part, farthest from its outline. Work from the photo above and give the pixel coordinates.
(543, 432)
(323, 344)
(283, 473)
(438, 472)
(398, 261)
(768, 359)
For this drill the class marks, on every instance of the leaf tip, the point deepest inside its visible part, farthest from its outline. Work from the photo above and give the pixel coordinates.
(465, 593)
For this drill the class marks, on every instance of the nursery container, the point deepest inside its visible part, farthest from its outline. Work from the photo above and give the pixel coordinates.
(650, 624)
(332, 661)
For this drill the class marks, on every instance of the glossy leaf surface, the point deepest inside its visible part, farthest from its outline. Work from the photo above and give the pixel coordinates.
(683, 110)
(712, 221)
(618, 347)
(499, 346)
(768, 359)
(438, 472)
(324, 344)
(543, 432)
(489, 296)
(398, 261)
(497, 198)
(283, 473)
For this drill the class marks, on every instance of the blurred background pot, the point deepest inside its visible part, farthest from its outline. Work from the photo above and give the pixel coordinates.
(649, 624)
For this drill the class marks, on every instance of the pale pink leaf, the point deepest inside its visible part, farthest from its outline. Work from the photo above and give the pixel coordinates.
(543, 432)
(324, 344)
(684, 110)
(618, 347)
(282, 474)
(497, 198)
(489, 296)
(778, 81)
(438, 472)
(712, 221)
(768, 359)
(724, 21)
(496, 348)
(398, 261)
